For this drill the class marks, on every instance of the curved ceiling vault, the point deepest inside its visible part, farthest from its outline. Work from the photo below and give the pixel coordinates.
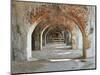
(69, 16)
(66, 15)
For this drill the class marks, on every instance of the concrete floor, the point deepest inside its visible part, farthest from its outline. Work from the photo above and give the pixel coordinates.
(53, 57)
(45, 65)
(57, 51)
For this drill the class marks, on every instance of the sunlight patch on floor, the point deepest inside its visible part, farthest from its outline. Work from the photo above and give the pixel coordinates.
(53, 60)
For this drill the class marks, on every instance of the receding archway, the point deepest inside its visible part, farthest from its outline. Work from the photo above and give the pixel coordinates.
(71, 18)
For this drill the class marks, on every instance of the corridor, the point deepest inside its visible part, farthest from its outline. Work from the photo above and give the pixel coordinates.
(57, 51)
(52, 37)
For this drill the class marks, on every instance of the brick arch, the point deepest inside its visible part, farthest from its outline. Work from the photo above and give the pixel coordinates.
(29, 33)
(79, 24)
(50, 27)
(71, 16)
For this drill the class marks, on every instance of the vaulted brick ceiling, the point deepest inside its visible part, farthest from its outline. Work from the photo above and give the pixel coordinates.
(67, 15)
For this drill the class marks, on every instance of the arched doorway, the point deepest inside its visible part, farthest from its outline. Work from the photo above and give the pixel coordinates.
(74, 20)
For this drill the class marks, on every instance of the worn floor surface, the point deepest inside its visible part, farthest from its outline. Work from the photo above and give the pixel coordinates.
(53, 57)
